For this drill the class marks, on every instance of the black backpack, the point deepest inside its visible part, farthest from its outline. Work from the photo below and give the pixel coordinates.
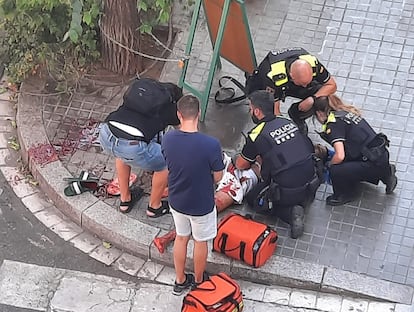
(147, 96)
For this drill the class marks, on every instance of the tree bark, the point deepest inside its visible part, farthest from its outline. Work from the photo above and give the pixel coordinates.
(120, 23)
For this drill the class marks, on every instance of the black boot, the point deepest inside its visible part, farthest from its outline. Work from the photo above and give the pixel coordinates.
(297, 225)
(337, 200)
(391, 181)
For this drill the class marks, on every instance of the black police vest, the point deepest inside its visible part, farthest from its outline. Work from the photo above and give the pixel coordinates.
(272, 72)
(279, 60)
(282, 148)
(358, 134)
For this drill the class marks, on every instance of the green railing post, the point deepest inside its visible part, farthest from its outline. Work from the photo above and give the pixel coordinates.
(190, 41)
(215, 62)
(216, 54)
(249, 36)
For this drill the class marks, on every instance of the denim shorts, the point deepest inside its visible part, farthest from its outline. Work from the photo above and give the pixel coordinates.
(147, 156)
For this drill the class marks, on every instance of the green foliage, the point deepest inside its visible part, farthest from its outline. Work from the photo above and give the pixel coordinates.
(61, 36)
(153, 13)
(156, 12)
(83, 29)
(37, 33)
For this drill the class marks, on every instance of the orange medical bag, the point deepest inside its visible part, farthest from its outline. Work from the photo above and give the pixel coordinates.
(242, 238)
(220, 293)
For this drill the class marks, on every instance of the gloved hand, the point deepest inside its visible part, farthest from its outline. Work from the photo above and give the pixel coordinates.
(330, 154)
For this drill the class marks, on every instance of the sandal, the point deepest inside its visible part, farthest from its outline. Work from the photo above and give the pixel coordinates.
(79, 187)
(136, 195)
(83, 176)
(158, 212)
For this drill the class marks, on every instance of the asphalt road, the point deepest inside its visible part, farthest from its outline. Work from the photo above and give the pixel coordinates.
(23, 238)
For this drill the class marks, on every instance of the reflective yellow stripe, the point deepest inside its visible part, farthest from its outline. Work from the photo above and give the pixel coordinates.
(311, 60)
(278, 69)
(331, 118)
(239, 307)
(256, 131)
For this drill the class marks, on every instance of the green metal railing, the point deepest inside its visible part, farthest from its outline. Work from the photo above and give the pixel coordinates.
(215, 61)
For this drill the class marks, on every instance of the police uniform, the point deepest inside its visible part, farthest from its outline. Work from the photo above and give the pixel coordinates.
(287, 166)
(366, 153)
(273, 75)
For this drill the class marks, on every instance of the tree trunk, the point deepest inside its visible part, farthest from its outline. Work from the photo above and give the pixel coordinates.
(119, 24)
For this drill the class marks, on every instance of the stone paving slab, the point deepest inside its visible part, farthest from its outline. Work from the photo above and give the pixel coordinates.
(21, 187)
(74, 294)
(86, 242)
(66, 230)
(282, 271)
(36, 202)
(358, 283)
(52, 174)
(35, 290)
(106, 255)
(30, 116)
(49, 289)
(129, 264)
(117, 228)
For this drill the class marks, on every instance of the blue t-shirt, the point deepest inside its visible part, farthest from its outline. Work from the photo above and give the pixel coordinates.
(191, 159)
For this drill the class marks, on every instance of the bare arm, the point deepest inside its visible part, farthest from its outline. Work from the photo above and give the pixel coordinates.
(242, 163)
(306, 104)
(217, 176)
(277, 108)
(339, 155)
(328, 88)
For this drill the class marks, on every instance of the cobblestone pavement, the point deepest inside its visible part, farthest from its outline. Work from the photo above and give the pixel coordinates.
(368, 46)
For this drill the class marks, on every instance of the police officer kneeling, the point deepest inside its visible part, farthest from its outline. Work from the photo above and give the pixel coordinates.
(360, 153)
(296, 73)
(288, 177)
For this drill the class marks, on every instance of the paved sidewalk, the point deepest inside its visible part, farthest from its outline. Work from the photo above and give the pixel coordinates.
(49, 289)
(368, 46)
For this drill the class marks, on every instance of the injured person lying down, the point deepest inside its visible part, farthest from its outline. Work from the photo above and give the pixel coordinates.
(235, 184)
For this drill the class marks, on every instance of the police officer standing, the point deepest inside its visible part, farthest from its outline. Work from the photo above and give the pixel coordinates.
(288, 178)
(360, 153)
(296, 73)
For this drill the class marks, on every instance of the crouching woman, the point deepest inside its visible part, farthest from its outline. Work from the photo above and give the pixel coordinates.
(360, 153)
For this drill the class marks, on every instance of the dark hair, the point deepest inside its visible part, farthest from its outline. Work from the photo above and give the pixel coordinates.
(175, 91)
(263, 100)
(321, 104)
(188, 106)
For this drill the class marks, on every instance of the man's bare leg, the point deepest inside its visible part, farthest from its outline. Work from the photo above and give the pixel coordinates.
(222, 200)
(159, 183)
(200, 260)
(123, 171)
(180, 256)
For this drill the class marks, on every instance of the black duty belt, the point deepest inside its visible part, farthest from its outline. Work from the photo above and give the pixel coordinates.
(376, 148)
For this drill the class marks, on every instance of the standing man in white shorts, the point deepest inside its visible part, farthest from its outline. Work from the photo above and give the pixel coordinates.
(194, 161)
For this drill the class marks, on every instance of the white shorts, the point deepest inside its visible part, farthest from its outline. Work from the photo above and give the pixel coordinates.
(203, 228)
